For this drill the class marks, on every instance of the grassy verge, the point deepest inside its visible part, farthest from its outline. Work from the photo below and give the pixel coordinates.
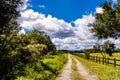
(75, 75)
(45, 69)
(103, 72)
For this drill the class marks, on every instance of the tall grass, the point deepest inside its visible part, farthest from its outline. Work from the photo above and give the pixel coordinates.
(45, 69)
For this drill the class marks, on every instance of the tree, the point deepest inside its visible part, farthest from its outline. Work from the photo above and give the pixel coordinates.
(108, 47)
(18, 50)
(99, 48)
(8, 15)
(107, 24)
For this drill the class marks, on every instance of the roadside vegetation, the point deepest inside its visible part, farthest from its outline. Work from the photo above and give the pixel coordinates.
(103, 72)
(29, 56)
(45, 69)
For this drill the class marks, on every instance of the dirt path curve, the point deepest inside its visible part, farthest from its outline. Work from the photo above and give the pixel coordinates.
(66, 72)
(83, 72)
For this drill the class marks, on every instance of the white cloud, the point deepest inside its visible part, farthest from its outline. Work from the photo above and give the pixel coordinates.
(115, 1)
(51, 25)
(23, 6)
(71, 43)
(99, 10)
(30, 5)
(82, 38)
(82, 29)
(73, 38)
(42, 6)
(115, 41)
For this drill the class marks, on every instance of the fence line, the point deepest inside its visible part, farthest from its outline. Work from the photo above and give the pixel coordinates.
(108, 61)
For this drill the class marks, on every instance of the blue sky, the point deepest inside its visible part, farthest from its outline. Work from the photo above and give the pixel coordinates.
(68, 10)
(65, 21)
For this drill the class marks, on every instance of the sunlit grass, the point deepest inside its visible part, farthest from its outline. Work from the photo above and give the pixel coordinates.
(103, 72)
(45, 69)
(114, 55)
(111, 58)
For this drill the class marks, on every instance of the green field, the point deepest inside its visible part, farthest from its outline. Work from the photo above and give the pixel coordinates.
(115, 55)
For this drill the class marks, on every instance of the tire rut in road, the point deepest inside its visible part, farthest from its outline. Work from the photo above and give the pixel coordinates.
(66, 72)
(83, 72)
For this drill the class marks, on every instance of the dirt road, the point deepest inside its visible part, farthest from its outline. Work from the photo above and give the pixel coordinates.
(82, 71)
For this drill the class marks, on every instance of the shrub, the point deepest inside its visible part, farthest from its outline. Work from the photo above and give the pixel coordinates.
(45, 69)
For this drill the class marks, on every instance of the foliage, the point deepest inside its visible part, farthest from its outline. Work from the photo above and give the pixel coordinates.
(106, 47)
(97, 48)
(8, 15)
(18, 50)
(45, 69)
(107, 23)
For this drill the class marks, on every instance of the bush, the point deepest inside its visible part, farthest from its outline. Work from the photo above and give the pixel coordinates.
(45, 69)
(32, 52)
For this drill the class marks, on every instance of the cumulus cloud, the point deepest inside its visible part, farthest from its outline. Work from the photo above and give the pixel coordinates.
(73, 38)
(51, 25)
(23, 6)
(82, 30)
(72, 43)
(99, 10)
(82, 39)
(65, 35)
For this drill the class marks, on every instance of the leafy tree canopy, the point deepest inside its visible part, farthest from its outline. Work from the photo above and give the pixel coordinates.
(107, 24)
(8, 15)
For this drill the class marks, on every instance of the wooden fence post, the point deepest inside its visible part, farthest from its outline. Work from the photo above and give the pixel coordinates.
(102, 60)
(105, 61)
(96, 59)
(114, 62)
(99, 59)
(108, 61)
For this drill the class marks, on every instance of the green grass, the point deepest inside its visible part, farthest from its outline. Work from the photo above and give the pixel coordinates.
(103, 72)
(75, 74)
(115, 55)
(45, 69)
